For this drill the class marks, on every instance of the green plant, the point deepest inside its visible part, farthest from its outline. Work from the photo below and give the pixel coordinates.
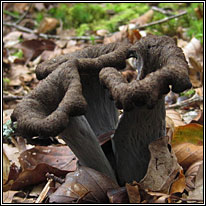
(14, 14)
(19, 53)
(60, 12)
(39, 17)
(86, 17)
(188, 93)
(9, 129)
(195, 29)
(189, 21)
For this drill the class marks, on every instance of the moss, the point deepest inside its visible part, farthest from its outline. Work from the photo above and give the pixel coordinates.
(87, 18)
(190, 21)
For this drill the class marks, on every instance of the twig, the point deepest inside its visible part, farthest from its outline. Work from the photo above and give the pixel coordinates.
(185, 199)
(160, 21)
(195, 99)
(55, 178)
(47, 36)
(24, 15)
(11, 98)
(162, 11)
(44, 192)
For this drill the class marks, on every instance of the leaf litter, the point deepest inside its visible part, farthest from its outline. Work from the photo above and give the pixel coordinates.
(186, 139)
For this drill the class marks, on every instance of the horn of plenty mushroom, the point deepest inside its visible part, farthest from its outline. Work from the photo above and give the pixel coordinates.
(71, 101)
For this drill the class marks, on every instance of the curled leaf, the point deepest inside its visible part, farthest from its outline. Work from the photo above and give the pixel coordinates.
(162, 167)
(36, 162)
(85, 185)
(192, 133)
(187, 154)
(179, 184)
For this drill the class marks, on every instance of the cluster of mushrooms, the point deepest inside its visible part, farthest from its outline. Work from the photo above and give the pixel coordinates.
(80, 95)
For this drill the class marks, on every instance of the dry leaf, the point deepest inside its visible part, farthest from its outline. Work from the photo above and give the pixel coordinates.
(36, 162)
(162, 167)
(169, 127)
(199, 91)
(190, 175)
(145, 18)
(133, 35)
(192, 133)
(102, 32)
(8, 196)
(11, 39)
(158, 197)
(10, 172)
(197, 193)
(20, 7)
(85, 185)
(19, 74)
(133, 193)
(6, 115)
(47, 25)
(118, 195)
(194, 55)
(187, 154)
(6, 167)
(175, 117)
(199, 119)
(193, 49)
(197, 68)
(33, 48)
(116, 37)
(39, 6)
(189, 116)
(179, 184)
(12, 153)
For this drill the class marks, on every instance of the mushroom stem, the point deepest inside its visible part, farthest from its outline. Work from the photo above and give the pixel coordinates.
(80, 137)
(136, 130)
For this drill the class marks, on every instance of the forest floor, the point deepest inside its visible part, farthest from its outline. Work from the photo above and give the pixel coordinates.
(35, 32)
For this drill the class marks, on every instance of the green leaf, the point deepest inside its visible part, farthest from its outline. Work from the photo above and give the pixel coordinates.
(18, 54)
(14, 14)
(192, 133)
(9, 129)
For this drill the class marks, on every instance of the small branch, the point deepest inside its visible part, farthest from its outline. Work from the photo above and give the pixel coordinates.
(11, 98)
(48, 36)
(168, 13)
(24, 15)
(186, 199)
(160, 21)
(55, 178)
(187, 102)
(44, 192)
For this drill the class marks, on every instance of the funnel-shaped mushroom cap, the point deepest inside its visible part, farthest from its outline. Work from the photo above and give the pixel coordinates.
(46, 110)
(164, 64)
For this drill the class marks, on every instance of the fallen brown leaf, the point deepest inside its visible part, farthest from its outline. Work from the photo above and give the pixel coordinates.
(191, 174)
(179, 184)
(133, 193)
(192, 133)
(8, 196)
(118, 195)
(19, 74)
(187, 154)
(197, 193)
(47, 25)
(85, 185)
(20, 7)
(36, 162)
(162, 167)
(175, 117)
(33, 48)
(145, 18)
